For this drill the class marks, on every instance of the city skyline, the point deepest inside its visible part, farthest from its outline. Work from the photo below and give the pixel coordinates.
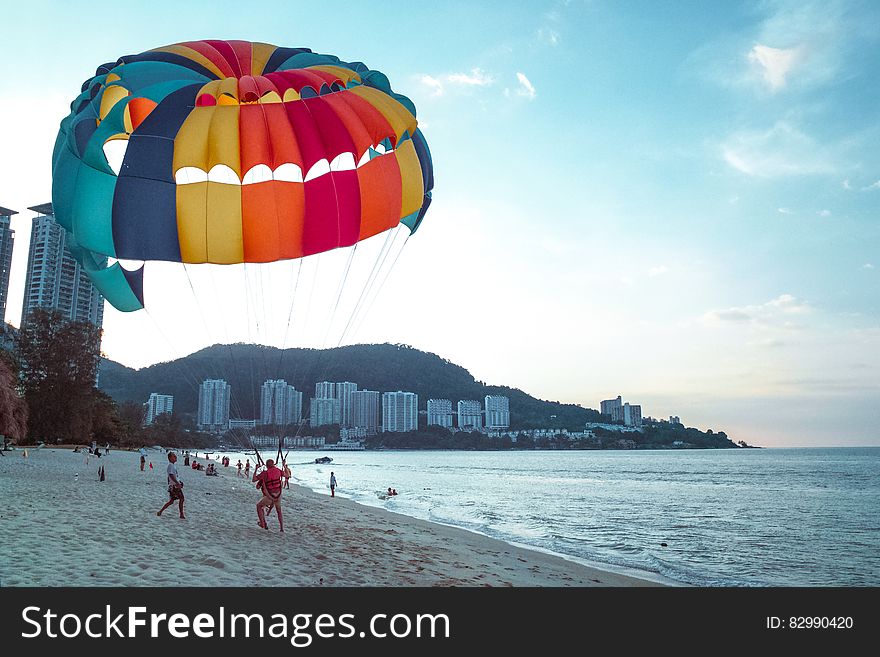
(692, 218)
(281, 404)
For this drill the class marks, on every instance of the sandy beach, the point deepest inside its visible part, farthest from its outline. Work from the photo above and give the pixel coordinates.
(61, 526)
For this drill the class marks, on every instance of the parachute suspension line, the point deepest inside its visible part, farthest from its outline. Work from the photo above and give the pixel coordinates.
(208, 331)
(295, 274)
(188, 371)
(386, 248)
(307, 313)
(294, 285)
(263, 337)
(236, 406)
(382, 284)
(247, 299)
(295, 278)
(339, 294)
(368, 285)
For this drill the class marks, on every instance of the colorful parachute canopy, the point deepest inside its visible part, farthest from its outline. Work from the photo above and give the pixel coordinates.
(232, 152)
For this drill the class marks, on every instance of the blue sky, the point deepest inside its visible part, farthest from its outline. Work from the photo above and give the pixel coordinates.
(675, 202)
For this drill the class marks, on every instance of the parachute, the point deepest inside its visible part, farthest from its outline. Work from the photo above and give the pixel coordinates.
(228, 152)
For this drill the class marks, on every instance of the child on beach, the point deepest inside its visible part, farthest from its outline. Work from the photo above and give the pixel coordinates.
(175, 486)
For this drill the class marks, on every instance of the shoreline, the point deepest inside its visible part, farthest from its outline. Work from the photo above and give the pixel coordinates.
(654, 579)
(81, 537)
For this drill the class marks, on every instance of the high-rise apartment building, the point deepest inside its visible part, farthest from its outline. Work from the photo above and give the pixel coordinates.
(156, 405)
(344, 392)
(440, 413)
(613, 408)
(470, 414)
(325, 390)
(214, 398)
(7, 237)
(324, 410)
(54, 279)
(632, 415)
(280, 403)
(400, 411)
(365, 413)
(497, 412)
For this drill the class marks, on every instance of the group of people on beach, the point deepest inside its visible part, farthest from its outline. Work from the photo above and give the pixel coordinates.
(270, 482)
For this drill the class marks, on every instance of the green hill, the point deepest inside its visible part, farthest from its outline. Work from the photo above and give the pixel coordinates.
(382, 367)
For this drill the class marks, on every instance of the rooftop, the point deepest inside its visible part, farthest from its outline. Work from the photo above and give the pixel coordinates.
(44, 208)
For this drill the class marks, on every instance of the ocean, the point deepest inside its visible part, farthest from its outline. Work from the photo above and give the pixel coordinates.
(708, 518)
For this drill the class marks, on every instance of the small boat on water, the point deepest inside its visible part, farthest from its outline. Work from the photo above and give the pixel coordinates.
(324, 459)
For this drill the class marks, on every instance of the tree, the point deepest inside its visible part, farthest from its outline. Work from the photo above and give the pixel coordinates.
(107, 426)
(59, 364)
(131, 421)
(13, 409)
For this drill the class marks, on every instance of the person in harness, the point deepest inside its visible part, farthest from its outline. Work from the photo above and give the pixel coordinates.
(269, 481)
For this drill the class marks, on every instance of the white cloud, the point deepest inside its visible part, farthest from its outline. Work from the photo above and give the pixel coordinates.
(432, 83)
(824, 213)
(794, 44)
(438, 85)
(875, 185)
(789, 304)
(548, 35)
(784, 211)
(526, 88)
(476, 78)
(658, 271)
(783, 150)
(774, 63)
(867, 265)
(845, 184)
(776, 312)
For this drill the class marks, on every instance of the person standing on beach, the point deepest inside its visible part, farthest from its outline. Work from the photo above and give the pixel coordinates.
(286, 471)
(247, 468)
(239, 467)
(175, 486)
(269, 481)
(332, 485)
(143, 458)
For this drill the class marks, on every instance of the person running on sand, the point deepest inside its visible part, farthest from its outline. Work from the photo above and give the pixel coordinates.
(286, 471)
(332, 485)
(270, 484)
(175, 486)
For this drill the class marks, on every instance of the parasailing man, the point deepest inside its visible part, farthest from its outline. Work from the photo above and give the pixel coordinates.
(269, 482)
